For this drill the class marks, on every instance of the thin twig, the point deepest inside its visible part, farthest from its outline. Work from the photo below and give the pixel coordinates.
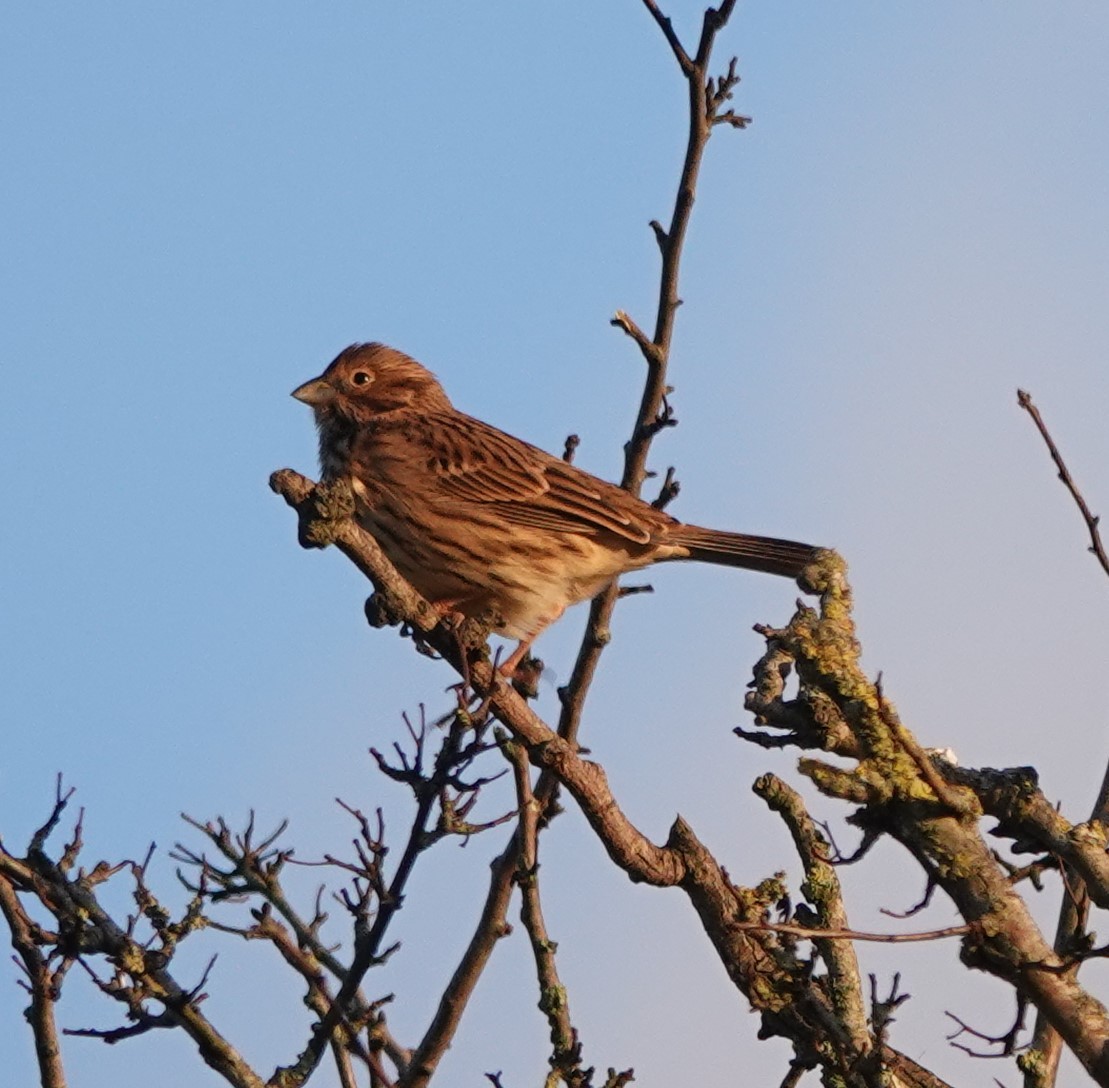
(1007, 1042)
(655, 349)
(959, 802)
(883, 1008)
(809, 934)
(1025, 401)
(667, 28)
(553, 1001)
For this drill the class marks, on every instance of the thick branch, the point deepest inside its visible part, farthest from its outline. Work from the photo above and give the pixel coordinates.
(822, 889)
(40, 983)
(937, 821)
(1041, 1064)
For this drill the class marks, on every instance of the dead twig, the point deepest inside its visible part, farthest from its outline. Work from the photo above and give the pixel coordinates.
(1091, 519)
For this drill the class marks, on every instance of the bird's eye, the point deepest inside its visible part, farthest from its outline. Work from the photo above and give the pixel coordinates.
(361, 377)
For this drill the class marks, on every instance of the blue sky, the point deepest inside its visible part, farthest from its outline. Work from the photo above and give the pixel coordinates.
(203, 204)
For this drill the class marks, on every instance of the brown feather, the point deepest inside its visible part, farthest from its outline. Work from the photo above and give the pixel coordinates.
(764, 553)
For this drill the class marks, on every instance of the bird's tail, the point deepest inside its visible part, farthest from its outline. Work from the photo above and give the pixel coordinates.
(785, 557)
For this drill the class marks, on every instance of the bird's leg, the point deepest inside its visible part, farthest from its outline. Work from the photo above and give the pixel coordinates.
(509, 666)
(522, 670)
(517, 657)
(521, 667)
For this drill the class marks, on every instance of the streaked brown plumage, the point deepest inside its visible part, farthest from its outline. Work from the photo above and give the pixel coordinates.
(485, 524)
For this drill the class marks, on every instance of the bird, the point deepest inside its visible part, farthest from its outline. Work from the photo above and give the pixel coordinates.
(483, 524)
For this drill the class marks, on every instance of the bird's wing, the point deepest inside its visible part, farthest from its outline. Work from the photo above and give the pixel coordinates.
(473, 462)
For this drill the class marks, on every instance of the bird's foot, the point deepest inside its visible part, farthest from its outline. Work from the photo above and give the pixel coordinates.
(525, 677)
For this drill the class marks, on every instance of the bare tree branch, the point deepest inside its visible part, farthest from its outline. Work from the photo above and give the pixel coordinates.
(822, 889)
(1091, 519)
(843, 936)
(85, 928)
(656, 349)
(40, 984)
(490, 928)
(899, 800)
(553, 1001)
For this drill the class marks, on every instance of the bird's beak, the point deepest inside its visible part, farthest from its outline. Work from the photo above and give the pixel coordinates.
(316, 393)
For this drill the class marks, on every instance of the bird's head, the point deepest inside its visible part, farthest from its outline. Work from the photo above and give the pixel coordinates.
(366, 380)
